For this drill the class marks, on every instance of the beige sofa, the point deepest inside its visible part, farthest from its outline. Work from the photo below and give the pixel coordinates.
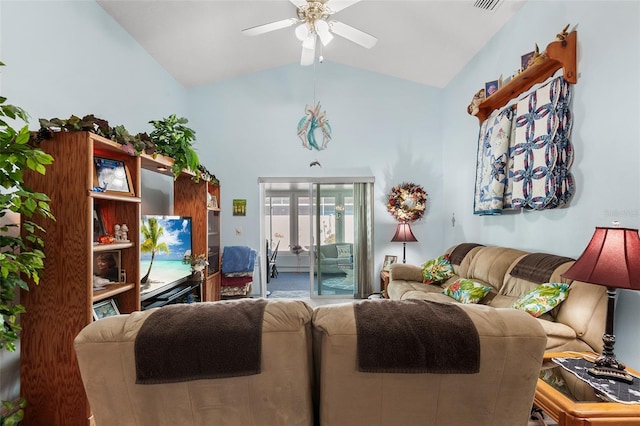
(577, 324)
(293, 389)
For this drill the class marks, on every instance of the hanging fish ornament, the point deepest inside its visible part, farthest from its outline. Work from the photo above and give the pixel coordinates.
(314, 121)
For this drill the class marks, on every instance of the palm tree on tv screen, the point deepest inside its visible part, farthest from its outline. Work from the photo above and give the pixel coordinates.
(152, 232)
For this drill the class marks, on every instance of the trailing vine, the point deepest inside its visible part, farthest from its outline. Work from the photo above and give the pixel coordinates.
(171, 138)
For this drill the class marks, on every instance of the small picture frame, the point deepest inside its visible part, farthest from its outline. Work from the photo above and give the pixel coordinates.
(98, 224)
(106, 264)
(239, 207)
(105, 308)
(388, 261)
(112, 176)
(212, 202)
(491, 87)
(526, 60)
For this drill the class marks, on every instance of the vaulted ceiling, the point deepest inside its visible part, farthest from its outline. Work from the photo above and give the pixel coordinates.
(200, 41)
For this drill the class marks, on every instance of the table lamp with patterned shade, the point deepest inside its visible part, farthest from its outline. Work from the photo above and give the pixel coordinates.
(611, 259)
(403, 234)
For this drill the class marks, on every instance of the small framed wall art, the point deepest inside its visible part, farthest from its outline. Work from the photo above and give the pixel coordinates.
(112, 176)
(239, 207)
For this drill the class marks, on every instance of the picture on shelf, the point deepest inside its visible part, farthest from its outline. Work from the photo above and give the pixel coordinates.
(388, 261)
(526, 60)
(491, 87)
(105, 308)
(107, 265)
(112, 176)
(98, 224)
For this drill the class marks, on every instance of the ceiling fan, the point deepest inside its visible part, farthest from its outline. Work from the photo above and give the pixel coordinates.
(313, 19)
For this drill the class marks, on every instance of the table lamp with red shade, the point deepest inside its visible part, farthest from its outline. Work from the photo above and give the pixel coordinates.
(611, 259)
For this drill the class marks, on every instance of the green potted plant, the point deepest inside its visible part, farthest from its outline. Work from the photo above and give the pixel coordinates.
(21, 248)
(173, 139)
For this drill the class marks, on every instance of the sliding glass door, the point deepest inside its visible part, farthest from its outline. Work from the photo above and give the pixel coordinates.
(333, 236)
(320, 230)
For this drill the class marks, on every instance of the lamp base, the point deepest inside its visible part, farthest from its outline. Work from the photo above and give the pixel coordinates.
(602, 372)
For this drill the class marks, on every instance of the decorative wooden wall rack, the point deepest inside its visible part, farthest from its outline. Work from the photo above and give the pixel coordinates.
(559, 54)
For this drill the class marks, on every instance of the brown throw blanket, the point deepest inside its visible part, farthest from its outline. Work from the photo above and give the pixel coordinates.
(415, 336)
(538, 267)
(200, 341)
(460, 252)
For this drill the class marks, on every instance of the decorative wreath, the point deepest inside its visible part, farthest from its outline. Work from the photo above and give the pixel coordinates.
(407, 202)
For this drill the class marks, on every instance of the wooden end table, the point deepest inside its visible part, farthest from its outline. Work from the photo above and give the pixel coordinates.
(576, 404)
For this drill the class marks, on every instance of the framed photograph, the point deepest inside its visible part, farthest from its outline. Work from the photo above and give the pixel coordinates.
(526, 60)
(98, 224)
(491, 87)
(105, 308)
(106, 264)
(212, 201)
(112, 176)
(388, 261)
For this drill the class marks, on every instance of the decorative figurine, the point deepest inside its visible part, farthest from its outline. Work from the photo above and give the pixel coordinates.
(124, 229)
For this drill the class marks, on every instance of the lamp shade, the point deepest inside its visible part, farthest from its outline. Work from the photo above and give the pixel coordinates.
(403, 233)
(611, 259)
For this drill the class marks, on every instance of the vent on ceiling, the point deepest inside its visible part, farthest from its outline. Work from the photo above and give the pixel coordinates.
(487, 4)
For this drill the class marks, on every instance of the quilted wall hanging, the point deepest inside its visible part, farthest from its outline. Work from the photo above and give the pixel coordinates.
(524, 153)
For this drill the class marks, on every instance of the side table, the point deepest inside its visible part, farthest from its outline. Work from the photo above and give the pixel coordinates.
(384, 282)
(572, 402)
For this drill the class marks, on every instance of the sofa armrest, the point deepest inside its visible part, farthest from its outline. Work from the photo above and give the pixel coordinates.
(402, 271)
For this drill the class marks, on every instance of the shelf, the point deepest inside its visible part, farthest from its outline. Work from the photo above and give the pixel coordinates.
(111, 291)
(560, 54)
(112, 246)
(114, 197)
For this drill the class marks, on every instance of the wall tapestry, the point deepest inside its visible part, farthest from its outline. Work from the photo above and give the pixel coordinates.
(314, 125)
(524, 153)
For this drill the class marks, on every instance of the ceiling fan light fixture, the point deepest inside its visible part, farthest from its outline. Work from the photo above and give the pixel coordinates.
(322, 29)
(302, 31)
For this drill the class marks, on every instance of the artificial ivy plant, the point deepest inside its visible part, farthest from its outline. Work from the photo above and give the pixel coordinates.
(21, 253)
(175, 140)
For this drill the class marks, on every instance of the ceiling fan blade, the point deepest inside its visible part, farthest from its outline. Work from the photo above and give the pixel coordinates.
(299, 3)
(353, 34)
(272, 26)
(338, 5)
(308, 55)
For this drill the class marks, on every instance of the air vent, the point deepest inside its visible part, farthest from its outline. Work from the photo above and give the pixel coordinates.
(487, 4)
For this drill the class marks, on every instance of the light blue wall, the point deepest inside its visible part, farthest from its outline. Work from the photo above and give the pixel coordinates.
(70, 57)
(606, 138)
(247, 128)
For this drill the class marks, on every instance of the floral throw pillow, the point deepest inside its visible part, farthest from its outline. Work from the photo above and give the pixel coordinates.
(344, 251)
(435, 270)
(542, 299)
(467, 291)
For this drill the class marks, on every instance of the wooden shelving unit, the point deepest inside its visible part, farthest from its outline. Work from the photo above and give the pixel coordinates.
(61, 304)
(560, 54)
(191, 199)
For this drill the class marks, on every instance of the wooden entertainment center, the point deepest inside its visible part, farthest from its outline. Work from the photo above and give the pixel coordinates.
(62, 303)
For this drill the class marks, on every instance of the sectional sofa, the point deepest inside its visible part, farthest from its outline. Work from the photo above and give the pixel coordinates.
(576, 324)
(308, 369)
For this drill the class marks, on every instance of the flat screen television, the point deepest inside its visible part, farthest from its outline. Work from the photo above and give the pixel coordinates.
(165, 244)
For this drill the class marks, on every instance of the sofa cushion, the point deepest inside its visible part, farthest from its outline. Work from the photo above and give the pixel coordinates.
(436, 270)
(542, 298)
(490, 264)
(467, 291)
(344, 250)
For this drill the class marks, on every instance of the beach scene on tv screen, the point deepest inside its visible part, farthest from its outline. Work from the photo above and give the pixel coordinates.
(168, 240)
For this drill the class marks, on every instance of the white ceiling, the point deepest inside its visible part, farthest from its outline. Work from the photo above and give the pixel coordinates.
(200, 41)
